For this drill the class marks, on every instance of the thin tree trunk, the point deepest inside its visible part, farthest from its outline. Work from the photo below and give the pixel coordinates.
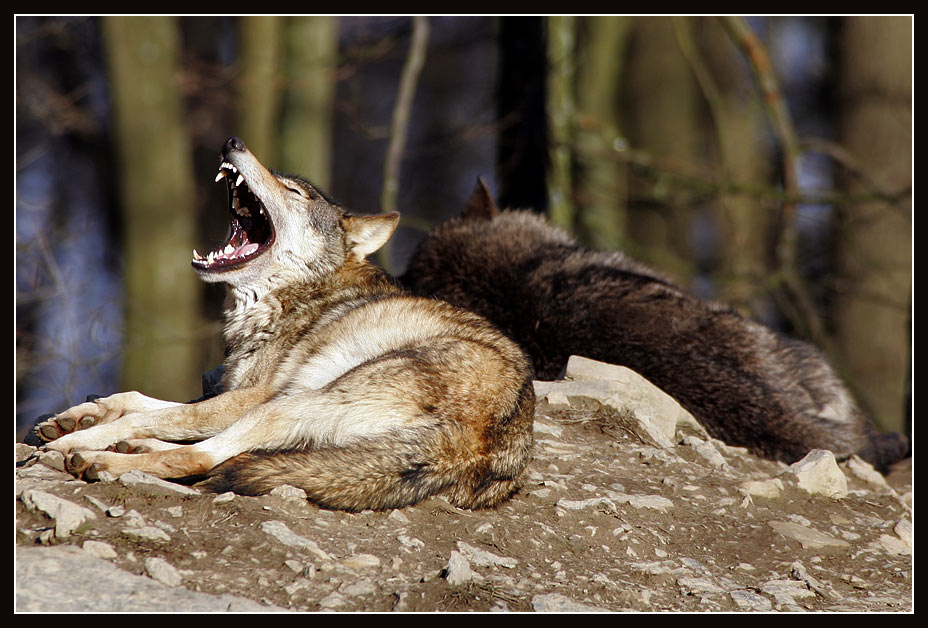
(874, 244)
(157, 197)
(260, 84)
(306, 126)
(600, 181)
(561, 115)
(664, 121)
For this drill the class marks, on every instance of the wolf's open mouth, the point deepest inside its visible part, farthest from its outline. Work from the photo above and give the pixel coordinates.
(251, 231)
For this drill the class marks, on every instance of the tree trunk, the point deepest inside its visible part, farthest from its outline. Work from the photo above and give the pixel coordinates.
(600, 181)
(664, 121)
(157, 197)
(259, 84)
(306, 127)
(744, 223)
(874, 254)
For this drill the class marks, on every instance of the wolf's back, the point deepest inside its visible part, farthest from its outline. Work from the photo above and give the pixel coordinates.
(748, 385)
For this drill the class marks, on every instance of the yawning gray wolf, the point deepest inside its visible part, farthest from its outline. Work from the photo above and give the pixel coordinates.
(746, 384)
(336, 380)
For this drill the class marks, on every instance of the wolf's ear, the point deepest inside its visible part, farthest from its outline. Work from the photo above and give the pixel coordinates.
(480, 205)
(366, 234)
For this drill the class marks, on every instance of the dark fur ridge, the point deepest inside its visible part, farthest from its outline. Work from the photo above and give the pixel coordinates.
(748, 385)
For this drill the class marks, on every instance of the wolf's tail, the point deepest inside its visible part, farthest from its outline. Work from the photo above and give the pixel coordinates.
(377, 475)
(883, 450)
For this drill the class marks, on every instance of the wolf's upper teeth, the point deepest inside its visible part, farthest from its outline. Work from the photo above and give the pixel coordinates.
(196, 255)
(220, 175)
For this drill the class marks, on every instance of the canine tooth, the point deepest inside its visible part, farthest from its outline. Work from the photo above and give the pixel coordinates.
(221, 175)
(229, 249)
(238, 181)
(196, 255)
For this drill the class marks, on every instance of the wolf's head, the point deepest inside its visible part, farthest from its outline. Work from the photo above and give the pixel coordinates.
(281, 225)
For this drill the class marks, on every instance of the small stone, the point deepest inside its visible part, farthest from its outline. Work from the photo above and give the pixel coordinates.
(818, 473)
(294, 565)
(162, 571)
(362, 561)
(333, 600)
(147, 533)
(282, 533)
(68, 516)
(863, 470)
(557, 603)
(483, 558)
(906, 532)
(361, 587)
(145, 481)
(286, 491)
(809, 538)
(99, 549)
(458, 570)
(750, 601)
(53, 459)
(224, 498)
(769, 489)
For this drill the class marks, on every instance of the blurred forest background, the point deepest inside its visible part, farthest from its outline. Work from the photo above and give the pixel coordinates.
(765, 162)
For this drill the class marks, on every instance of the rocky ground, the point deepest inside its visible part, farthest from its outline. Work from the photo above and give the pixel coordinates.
(613, 517)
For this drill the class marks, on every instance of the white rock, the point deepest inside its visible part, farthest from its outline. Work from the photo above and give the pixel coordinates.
(750, 601)
(458, 570)
(362, 561)
(138, 479)
(557, 603)
(224, 498)
(864, 470)
(162, 571)
(656, 414)
(280, 531)
(146, 533)
(483, 558)
(818, 473)
(906, 532)
(99, 549)
(706, 450)
(809, 538)
(68, 516)
(289, 492)
(762, 488)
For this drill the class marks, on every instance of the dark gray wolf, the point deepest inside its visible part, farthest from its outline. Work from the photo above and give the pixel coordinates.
(746, 384)
(336, 380)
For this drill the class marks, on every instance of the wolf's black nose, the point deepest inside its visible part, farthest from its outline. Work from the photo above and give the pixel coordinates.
(233, 144)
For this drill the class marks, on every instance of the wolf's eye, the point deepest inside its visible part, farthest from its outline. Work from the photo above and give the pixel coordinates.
(297, 191)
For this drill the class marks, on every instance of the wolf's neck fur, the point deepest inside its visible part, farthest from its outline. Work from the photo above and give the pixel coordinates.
(255, 314)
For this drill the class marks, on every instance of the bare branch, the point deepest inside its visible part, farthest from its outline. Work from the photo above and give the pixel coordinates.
(409, 78)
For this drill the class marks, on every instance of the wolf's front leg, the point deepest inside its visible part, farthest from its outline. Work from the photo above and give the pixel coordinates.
(174, 422)
(97, 412)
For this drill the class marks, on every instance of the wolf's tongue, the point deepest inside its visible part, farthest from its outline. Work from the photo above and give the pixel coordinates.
(248, 249)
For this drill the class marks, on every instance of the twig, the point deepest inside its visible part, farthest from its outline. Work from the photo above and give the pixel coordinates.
(415, 59)
(806, 316)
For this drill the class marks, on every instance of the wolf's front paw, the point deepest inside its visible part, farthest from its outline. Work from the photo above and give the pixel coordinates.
(51, 427)
(95, 411)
